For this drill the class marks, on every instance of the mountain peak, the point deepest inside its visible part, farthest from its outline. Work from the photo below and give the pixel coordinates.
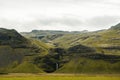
(10, 37)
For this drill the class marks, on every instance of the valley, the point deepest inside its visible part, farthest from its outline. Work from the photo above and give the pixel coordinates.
(49, 51)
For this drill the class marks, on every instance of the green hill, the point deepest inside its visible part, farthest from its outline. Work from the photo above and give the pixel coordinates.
(85, 65)
(26, 67)
(12, 38)
(89, 52)
(48, 35)
(105, 41)
(16, 48)
(60, 51)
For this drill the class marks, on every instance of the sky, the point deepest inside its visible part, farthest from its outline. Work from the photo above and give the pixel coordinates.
(67, 15)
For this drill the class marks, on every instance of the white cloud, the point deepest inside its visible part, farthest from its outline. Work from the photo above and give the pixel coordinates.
(25, 15)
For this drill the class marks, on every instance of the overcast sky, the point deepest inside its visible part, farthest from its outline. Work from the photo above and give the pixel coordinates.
(71, 15)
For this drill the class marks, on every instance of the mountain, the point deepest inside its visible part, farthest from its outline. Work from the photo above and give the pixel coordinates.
(12, 38)
(42, 33)
(60, 51)
(48, 35)
(104, 41)
(15, 49)
(86, 52)
(117, 27)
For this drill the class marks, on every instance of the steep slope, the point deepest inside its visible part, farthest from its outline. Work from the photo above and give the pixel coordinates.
(14, 48)
(12, 38)
(117, 27)
(63, 52)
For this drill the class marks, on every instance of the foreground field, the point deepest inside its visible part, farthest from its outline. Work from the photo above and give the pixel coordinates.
(58, 77)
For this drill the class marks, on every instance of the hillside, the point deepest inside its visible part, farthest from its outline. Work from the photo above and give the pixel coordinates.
(86, 52)
(60, 51)
(116, 27)
(26, 67)
(48, 35)
(85, 65)
(106, 41)
(14, 49)
(12, 38)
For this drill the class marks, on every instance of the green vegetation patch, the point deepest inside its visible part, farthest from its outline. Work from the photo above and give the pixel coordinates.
(59, 77)
(26, 67)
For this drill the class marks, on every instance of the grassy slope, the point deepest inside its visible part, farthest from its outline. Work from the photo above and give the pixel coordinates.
(84, 65)
(98, 40)
(16, 48)
(10, 55)
(45, 47)
(26, 67)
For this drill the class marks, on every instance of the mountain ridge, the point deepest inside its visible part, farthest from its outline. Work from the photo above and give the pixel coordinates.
(60, 52)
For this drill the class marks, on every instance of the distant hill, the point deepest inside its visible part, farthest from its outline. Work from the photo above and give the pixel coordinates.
(48, 35)
(117, 27)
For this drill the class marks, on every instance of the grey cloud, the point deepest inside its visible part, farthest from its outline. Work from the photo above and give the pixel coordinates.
(11, 24)
(68, 21)
(103, 21)
(72, 23)
(26, 8)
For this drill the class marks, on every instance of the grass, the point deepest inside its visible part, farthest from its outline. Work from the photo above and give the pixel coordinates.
(26, 67)
(45, 47)
(97, 40)
(85, 65)
(58, 77)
